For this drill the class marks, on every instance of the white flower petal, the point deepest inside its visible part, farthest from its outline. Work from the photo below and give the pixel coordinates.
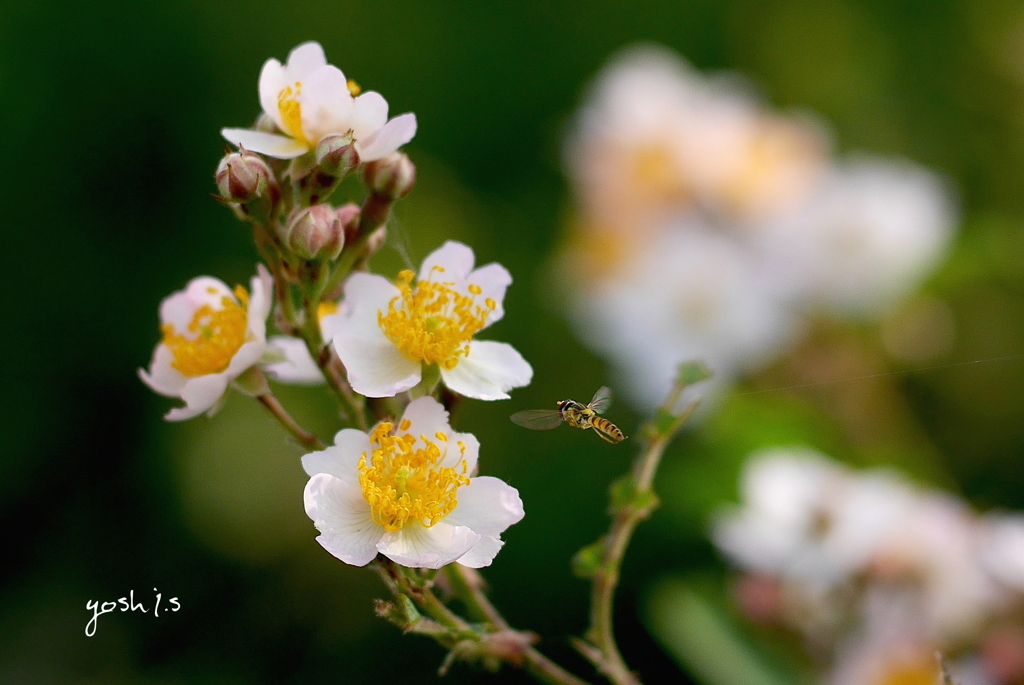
(270, 144)
(494, 280)
(298, 367)
(454, 257)
(419, 547)
(200, 394)
(426, 416)
(260, 302)
(332, 324)
(392, 136)
(341, 459)
(468, 451)
(273, 79)
(247, 356)
(482, 553)
(304, 59)
(488, 371)
(365, 296)
(370, 113)
(487, 506)
(179, 308)
(163, 378)
(343, 518)
(375, 367)
(326, 104)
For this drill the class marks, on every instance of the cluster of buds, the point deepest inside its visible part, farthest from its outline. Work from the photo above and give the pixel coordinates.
(306, 225)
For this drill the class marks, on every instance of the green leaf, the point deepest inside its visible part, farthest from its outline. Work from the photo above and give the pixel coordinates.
(408, 609)
(622, 492)
(587, 561)
(700, 635)
(692, 372)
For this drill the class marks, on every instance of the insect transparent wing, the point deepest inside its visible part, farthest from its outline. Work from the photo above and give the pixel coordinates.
(602, 400)
(537, 419)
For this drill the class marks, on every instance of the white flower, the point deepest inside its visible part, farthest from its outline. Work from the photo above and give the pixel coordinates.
(689, 294)
(309, 99)
(211, 335)
(865, 238)
(388, 332)
(407, 492)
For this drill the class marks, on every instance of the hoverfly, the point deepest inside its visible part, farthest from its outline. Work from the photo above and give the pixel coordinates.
(574, 414)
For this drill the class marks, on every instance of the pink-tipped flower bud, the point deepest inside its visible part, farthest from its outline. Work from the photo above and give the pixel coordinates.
(336, 155)
(348, 215)
(392, 176)
(314, 233)
(243, 177)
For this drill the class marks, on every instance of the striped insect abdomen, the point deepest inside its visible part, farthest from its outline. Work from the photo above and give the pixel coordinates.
(608, 431)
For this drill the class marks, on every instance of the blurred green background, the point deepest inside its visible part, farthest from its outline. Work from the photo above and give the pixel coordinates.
(110, 120)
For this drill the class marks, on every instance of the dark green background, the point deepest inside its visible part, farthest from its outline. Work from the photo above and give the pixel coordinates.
(109, 119)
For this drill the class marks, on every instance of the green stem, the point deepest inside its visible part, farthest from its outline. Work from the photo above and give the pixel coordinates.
(600, 647)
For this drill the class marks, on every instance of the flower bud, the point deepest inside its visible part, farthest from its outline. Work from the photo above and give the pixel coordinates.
(376, 240)
(336, 155)
(314, 233)
(392, 176)
(243, 177)
(348, 215)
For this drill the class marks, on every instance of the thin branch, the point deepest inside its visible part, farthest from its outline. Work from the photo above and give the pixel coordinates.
(633, 500)
(470, 591)
(304, 437)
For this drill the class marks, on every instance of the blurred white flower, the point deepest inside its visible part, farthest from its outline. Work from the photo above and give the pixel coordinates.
(1002, 549)
(805, 519)
(935, 548)
(308, 99)
(211, 335)
(864, 239)
(689, 294)
(655, 137)
(408, 492)
(864, 549)
(388, 332)
(662, 156)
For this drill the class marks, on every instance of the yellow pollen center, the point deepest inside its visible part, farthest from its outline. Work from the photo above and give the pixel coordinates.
(291, 111)
(215, 337)
(326, 309)
(404, 483)
(431, 322)
(924, 673)
(353, 88)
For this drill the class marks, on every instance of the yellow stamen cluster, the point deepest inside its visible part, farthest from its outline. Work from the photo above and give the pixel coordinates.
(353, 88)
(216, 336)
(403, 483)
(431, 322)
(291, 111)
